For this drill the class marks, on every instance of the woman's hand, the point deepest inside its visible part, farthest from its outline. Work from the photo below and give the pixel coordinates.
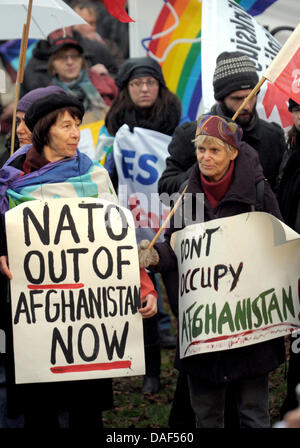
(150, 307)
(4, 267)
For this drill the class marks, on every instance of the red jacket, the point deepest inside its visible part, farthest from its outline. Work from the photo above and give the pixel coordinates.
(147, 286)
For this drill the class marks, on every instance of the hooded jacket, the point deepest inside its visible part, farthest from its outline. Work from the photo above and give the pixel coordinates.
(253, 360)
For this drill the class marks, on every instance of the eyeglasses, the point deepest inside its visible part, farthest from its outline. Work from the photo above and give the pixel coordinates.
(65, 57)
(138, 83)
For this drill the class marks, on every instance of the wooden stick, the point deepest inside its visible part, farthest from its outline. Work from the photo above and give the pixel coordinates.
(251, 95)
(29, 10)
(20, 74)
(167, 219)
(17, 92)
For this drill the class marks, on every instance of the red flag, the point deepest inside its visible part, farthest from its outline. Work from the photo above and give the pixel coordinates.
(117, 10)
(284, 71)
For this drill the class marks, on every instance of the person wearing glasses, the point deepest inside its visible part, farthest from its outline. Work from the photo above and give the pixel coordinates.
(69, 70)
(144, 101)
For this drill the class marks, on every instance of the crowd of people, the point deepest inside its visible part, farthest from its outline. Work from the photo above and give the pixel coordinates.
(82, 75)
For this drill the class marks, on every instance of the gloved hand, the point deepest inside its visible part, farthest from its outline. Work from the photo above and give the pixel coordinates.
(147, 256)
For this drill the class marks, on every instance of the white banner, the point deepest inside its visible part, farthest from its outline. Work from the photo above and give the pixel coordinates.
(140, 159)
(227, 27)
(75, 292)
(238, 282)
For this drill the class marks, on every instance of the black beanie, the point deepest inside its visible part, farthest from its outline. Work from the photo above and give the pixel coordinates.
(234, 71)
(292, 104)
(44, 106)
(136, 68)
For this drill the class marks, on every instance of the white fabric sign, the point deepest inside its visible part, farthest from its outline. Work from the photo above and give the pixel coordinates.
(140, 160)
(238, 282)
(75, 291)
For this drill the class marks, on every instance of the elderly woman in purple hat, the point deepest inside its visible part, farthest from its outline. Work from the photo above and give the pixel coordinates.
(48, 167)
(227, 172)
(23, 134)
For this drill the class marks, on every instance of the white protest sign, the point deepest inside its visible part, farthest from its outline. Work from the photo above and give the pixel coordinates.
(140, 158)
(238, 282)
(75, 292)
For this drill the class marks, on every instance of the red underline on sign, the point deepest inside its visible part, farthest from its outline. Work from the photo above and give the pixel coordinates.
(66, 286)
(238, 335)
(90, 367)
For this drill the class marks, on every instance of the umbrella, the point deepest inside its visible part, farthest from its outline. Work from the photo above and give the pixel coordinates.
(46, 16)
(35, 19)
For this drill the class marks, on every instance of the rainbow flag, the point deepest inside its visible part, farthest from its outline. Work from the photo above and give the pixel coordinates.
(180, 22)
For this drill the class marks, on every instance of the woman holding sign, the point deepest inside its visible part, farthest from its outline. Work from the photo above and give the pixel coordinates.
(145, 102)
(50, 167)
(227, 174)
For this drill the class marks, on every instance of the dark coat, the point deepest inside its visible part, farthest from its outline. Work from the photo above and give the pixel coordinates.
(252, 360)
(267, 138)
(36, 72)
(289, 185)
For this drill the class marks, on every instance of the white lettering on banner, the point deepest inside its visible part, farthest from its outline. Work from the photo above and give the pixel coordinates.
(75, 291)
(296, 81)
(140, 160)
(220, 306)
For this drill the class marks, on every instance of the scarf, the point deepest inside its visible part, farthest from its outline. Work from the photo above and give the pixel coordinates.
(141, 117)
(83, 89)
(215, 191)
(69, 177)
(33, 161)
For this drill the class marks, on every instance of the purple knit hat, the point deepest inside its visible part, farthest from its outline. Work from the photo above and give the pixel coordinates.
(31, 97)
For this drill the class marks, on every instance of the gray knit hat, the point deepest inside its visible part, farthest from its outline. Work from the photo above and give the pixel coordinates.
(234, 71)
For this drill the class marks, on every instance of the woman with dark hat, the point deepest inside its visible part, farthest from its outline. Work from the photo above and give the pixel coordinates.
(144, 101)
(69, 70)
(23, 134)
(226, 173)
(37, 171)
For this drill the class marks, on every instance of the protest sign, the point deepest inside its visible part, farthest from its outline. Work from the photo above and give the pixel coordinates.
(140, 158)
(238, 282)
(75, 292)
